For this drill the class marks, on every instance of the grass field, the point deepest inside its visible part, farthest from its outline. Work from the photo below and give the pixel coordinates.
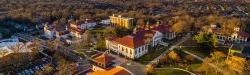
(191, 46)
(169, 72)
(153, 53)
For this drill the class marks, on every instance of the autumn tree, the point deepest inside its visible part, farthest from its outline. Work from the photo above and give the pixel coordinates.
(174, 56)
(66, 67)
(206, 40)
(149, 69)
(217, 64)
(235, 65)
(182, 24)
(216, 59)
(229, 25)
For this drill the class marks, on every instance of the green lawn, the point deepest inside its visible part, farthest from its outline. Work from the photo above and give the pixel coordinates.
(153, 53)
(169, 72)
(191, 46)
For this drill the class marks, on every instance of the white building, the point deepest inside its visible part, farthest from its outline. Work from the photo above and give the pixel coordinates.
(105, 22)
(8, 46)
(58, 32)
(83, 24)
(136, 45)
(49, 31)
(78, 28)
(239, 36)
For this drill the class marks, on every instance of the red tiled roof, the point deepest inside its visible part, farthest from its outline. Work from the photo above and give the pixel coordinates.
(136, 40)
(104, 59)
(114, 71)
(161, 28)
(141, 37)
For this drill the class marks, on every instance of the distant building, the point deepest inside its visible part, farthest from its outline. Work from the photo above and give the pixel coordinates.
(77, 28)
(136, 45)
(49, 31)
(105, 22)
(239, 36)
(7, 46)
(58, 32)
(120, 21)
(104, 65)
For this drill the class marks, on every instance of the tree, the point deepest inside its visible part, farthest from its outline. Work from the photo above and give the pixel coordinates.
(216, 59)
(149, 69)
(174, 56)
(232, 66)
(229, 25)
(182, 24)
(141, 22)
(189, 58)
(235, 65)
(206, 40)
(66, 67)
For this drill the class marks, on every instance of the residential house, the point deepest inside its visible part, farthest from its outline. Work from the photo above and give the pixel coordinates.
(77, 28)
(136, 45)
(58, 32)
(49, 31)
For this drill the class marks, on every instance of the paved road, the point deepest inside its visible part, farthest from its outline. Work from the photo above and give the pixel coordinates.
(171, 48)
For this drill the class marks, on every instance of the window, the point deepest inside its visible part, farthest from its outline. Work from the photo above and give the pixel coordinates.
(126, 50)
(139, 50)
(130, 51)
(135, 51)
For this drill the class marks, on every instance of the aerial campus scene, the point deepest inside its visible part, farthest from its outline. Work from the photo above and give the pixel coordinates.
(124, 37)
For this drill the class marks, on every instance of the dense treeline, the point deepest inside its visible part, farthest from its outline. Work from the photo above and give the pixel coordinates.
(52, 10)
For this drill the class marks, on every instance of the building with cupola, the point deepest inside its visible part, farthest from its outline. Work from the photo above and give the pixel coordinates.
(136, 44)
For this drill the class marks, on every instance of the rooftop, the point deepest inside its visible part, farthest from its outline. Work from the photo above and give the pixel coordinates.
(104, 59)
(114, 71)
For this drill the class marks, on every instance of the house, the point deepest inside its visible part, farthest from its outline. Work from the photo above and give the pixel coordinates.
(58, 32)
(242, 50)
(49, 31)
(239, 36)
(104, 65)
(77, 28)
(62, 32)
(119, 21)
(8, 46)
(136, 45)
(105, 22)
